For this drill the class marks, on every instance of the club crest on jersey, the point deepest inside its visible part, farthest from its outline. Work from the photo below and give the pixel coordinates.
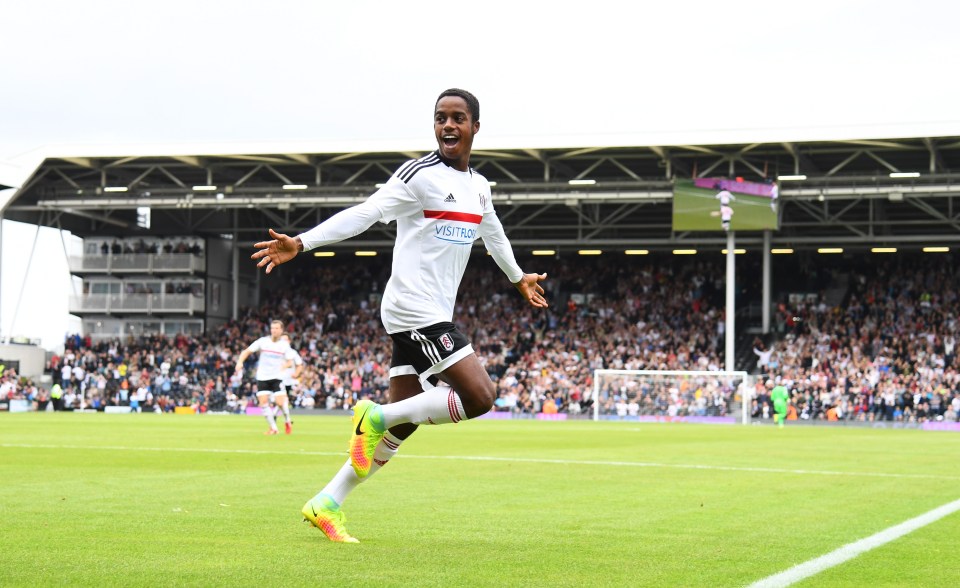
(446, 341)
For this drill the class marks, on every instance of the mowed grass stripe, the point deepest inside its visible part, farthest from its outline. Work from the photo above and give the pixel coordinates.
(584, 462)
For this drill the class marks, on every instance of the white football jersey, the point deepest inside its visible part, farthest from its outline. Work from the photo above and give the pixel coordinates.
(440, 211)
(273, 354)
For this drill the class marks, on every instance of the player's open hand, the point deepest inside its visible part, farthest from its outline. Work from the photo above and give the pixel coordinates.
(281, 249)
(531, 290)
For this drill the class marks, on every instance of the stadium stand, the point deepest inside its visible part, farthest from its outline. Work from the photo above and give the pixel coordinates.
(886, 352)
(189, 299)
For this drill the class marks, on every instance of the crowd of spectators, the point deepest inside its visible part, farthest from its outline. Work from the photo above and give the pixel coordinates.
(888, 352)
(15, 387)
(142, 246)
(603, 315)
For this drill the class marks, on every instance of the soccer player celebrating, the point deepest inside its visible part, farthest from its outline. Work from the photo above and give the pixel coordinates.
(273, 355)
(441, 206)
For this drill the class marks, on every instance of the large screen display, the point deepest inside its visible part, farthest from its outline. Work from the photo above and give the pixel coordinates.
(721, 204)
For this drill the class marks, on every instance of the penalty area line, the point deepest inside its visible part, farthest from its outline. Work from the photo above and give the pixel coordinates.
(587, 462)
(851, 550)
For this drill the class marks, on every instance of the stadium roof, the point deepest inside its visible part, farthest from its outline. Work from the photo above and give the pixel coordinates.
(848, 194)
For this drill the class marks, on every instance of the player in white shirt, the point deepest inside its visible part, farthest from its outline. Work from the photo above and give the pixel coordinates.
(440, 206)
(725, 197)
(292, 367)
(726, 211)
(273, 355)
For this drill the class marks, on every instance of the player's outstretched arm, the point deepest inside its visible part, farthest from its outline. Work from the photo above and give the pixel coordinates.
(281, 249)
(531, 290)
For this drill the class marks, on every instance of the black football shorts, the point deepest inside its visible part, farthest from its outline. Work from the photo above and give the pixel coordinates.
(428, 351)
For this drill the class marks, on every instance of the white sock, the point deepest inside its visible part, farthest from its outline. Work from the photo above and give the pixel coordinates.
(268, 413)
(286, 412)
(346, 479)
(431, 407)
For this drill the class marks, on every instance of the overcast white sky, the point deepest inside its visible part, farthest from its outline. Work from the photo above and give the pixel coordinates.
(80, 77)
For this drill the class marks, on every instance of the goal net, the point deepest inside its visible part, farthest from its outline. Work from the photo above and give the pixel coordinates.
(681, 396)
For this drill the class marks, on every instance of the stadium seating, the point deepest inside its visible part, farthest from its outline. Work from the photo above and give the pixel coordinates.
(886, 351)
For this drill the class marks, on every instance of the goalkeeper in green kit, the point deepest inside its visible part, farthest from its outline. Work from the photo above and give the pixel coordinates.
(780, 398)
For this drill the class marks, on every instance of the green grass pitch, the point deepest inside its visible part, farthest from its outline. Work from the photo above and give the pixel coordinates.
(163, 500)
(697, 209)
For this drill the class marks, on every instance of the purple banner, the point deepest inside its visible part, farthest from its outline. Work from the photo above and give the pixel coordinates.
(556, 416)
(500, 416)
(540, 416)
(703, 420)
(754, 188)
(928, 426)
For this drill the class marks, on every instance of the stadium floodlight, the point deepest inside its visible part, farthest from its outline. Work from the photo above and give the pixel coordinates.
(735, 251)
(294, 186)
(684, 251)
(590, 252)
(791, 178)
(491, 184)
(116, 189)
(936, 249)
(378, 186)
(543, 252)
(324, 253)
(637, 252)
(883, 250)
(830, 250)
(781, 251)
(904, 174)
(365, 253)
(582, 182)
(204, 188)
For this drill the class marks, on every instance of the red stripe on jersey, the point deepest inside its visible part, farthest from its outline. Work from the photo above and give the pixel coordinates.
(465, 217)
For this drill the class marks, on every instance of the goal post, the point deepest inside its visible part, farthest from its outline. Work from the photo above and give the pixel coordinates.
(655, 395)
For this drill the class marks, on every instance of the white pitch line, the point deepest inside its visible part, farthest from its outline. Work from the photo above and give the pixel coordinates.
(852, 550)
(634, 464)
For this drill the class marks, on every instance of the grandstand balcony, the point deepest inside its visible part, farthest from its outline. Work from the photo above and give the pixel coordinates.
(141, 263)
(123, 303)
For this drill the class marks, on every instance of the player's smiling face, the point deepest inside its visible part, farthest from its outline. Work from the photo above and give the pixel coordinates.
(454, 128)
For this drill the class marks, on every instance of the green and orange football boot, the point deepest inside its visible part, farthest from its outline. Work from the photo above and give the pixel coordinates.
(329, 520)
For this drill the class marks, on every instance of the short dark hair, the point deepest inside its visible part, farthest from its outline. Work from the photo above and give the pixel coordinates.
(469, 98)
